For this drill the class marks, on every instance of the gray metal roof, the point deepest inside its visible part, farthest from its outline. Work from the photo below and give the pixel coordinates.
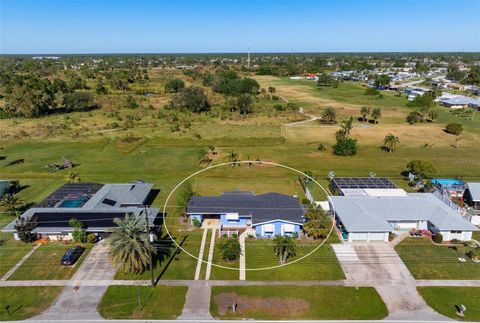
(372, 213)
(115, 195)
(474, 189)
(262, 208)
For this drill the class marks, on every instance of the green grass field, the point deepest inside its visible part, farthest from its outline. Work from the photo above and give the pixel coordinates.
(444, 299)
(20, 303)
(11, 251)
(321, 265)
(161, 302)
(44, 263)
(428, 261)
(295, 303)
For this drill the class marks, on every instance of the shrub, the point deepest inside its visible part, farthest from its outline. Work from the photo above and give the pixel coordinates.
(321, 147)
(279, 107)
(230, 249)
(371, 91)
(131, 103)
(345, 147)
(414, 117)
(191, 99)
(196, 222)
(79, 235)
(438, 238)
(174, 86)
(91, 238)
(454, 128)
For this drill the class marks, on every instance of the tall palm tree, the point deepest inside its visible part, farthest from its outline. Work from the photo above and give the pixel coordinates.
(73, 177)
(284, 247)
(364, 112)
(329, 115)
(10, 202)
(129, 245)
(391, 142)
(376, 114)
(232, 157)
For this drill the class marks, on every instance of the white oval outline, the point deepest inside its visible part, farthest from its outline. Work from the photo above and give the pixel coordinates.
(235, 163)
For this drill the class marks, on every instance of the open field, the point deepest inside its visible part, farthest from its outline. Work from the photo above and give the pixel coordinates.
(320, 265)
(444, 299)
(161, 302)
(20, 303)
(44, 263)
(428, 261)
(293, 303)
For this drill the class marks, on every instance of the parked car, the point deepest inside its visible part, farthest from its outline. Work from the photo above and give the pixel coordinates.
(72, 255)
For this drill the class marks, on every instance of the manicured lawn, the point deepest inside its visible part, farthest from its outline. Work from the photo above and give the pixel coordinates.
(222, 273)
(171, 263)
(444, 299)
(25, 302)
(476, 235)
(44, 263)
(321, 265)
(294, 303)
(428, 261)
(11, 251)
(161, 302)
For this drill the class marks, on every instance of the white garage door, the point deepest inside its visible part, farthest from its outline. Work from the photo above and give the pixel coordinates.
(355, 236)
(376, 236)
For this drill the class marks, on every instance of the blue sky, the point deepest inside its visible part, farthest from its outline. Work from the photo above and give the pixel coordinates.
(117, 26)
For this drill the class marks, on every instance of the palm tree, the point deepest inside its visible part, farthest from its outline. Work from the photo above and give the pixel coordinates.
(364, 112)
(391, 142)
(10, 202)
(73, 177)
(232, 157)
(284, 247)
(129, 245)
(329, 115)
(204, 157)
(376, 114)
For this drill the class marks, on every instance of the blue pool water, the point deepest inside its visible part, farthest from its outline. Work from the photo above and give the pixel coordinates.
(78, 202)
(447, 181)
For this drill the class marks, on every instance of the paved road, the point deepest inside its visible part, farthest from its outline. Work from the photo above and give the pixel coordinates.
(77, 301)
(234, 321)
(383, 265)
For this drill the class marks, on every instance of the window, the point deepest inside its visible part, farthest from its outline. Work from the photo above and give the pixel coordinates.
(288, 228)
(455, 231)
(269, 228)
(231, 216)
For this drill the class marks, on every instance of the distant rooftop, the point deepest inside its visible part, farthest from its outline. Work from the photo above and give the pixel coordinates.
(372, 213)
(474, 189)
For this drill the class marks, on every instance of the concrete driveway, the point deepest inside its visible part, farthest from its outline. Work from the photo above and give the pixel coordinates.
(78, 302)
(391, 278)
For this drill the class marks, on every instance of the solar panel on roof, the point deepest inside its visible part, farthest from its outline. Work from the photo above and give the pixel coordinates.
(109, 202)
(363, 182)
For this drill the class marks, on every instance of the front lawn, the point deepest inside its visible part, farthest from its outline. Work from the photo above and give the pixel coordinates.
(219, 273)
(321, 265)
(161, 302)
(20, 303)
(170, 262)
(44, 263)
(428, 261)
(294, 303)
(444, 299)
(11, 251)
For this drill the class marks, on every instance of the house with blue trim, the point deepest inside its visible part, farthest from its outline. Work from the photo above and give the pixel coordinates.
(263, 215)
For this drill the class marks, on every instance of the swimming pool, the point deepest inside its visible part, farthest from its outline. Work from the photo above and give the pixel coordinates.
(76, 202)
(447, 181)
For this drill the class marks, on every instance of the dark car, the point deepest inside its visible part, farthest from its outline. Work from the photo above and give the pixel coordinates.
(72, 255)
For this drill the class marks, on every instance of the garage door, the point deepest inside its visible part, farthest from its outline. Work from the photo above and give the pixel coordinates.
(376, 236)
(358, 236)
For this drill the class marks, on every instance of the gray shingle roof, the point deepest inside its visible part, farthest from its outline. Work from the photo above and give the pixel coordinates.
(474, 189)
(262, 208)
(114, 195)
(368, 213)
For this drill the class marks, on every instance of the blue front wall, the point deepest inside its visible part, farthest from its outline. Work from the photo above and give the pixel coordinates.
(278, 229)
(242, 220)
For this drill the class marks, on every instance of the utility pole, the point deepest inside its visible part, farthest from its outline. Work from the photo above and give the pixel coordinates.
(149, 237)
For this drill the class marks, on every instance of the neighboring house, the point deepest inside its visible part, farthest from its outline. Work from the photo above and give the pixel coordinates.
(4, 187)
(362, 185)
(95, 205)
(471, 196)
(264, 215)
(459, 102)
(373, 217)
